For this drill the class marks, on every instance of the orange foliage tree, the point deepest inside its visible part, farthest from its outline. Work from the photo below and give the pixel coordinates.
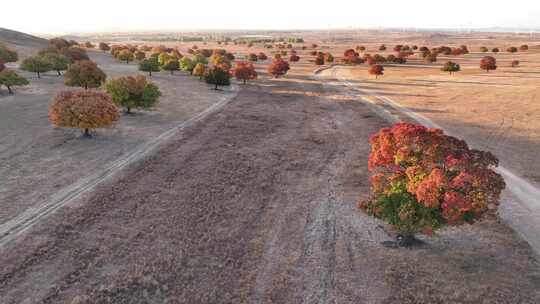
(488, 63)
(83, 109)
(244, 71)
(423, 179)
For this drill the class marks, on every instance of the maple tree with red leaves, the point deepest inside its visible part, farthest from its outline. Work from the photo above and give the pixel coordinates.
(423, 179)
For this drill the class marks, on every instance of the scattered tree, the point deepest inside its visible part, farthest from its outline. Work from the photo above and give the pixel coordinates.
(84, 73)
(376, 70)
(11, 79)
(149, 65)
(328, 57)
(133, 92)
(83, 109)
(512, 49)
(171, 66)
(278, 67)
(7, 54)
(262, 56)
(244, 71)
(125, 55)
(36, 64)
(294, 58)
(58, 62)
(104, 46)
(495, 50)
(217, 76)
(199, 70)
(187, 65)
(423, 179)
(451, 67)
(253, 57)
(431, 57)
(488, 63)
(75, 53)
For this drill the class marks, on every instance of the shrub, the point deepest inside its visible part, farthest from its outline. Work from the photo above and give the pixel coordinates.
(488, 63)
(515, 63)
(262, 56)
(382, 48)
(451, 67)
(83, 109)
(36, 64)
(423, 179)
(149, 65)
(84, 74)
(244, 71)
(319, 60)
(278, 67)
(132, 92)
(217, 76)
(483, 49)
(7, 54)
(376, 70)
(524, 47)
(10, 79)
(495, 50)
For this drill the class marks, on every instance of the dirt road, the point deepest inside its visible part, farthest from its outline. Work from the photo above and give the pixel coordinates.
(257, 205)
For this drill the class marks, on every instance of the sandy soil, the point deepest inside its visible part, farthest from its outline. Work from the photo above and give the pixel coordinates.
(257, 205)
(39, 161)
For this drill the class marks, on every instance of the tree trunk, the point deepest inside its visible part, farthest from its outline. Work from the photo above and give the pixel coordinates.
(128, 110)
(59, 74)
(150, 73)
(38, 75)
(86, 86)
(172, 72)
(87, 133)
(9, 89)
(244, 81)
(216, 87)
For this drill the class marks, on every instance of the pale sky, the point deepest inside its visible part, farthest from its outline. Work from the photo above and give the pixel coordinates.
(63, 16)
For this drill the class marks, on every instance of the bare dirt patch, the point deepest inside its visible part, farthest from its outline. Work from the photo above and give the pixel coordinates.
(257, 205)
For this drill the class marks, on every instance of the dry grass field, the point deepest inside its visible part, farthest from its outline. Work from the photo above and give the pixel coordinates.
(256, 202)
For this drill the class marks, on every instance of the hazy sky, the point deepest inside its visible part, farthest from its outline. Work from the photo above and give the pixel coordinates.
(63, 16)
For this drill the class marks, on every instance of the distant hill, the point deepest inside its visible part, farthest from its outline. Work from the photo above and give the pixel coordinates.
(25, 44)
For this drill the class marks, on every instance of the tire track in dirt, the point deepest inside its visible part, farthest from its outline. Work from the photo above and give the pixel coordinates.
(524, 198)
(11, 229)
